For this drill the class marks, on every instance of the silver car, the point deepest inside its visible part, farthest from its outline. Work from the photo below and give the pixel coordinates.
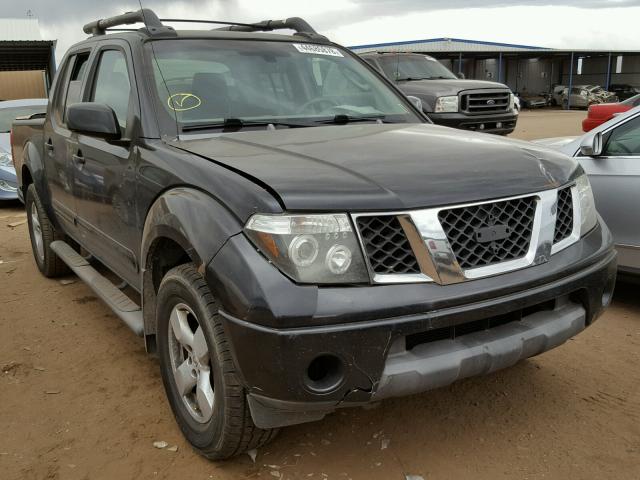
(610, 155)
(9, 110)
(584, 95)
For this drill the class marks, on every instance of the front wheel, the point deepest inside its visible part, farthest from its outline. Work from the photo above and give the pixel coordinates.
(42, 233)
(198, 372)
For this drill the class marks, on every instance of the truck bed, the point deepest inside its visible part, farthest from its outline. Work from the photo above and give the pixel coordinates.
(26, 130)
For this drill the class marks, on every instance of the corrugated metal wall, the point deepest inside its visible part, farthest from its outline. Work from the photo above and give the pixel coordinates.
(15, 85)
(594, 70)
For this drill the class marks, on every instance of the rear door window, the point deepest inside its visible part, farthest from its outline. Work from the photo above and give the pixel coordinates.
(60, 95)
(74, 90)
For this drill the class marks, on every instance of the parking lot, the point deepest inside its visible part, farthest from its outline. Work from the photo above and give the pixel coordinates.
(79, 398)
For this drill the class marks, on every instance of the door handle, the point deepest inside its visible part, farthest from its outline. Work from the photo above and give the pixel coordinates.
(78, 158)
(49, 146)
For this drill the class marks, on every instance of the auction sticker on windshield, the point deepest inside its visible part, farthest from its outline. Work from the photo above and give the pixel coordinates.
(317, 49)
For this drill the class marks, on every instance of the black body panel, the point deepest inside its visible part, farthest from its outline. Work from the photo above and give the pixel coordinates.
(384, 167)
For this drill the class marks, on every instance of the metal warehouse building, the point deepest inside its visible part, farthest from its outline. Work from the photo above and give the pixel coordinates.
(524, 68)
(27, 62)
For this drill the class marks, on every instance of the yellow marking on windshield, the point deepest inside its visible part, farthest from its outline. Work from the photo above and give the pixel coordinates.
(181, 102)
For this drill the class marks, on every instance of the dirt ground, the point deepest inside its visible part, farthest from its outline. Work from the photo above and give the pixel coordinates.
(79, 398)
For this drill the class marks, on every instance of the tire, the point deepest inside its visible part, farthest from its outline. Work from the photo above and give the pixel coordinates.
(224, 427)
(42, 233)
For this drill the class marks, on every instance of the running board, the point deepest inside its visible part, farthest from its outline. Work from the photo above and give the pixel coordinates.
(128, 311)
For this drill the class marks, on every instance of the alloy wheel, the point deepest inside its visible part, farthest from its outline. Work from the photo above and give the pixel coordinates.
(190, 363)
(36, 231)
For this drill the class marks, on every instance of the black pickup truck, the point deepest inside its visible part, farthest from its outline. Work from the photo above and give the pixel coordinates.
(295, 236)
(476, 105)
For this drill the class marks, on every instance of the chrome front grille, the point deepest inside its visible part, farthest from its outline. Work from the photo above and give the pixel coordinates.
(462, 224)
(386, 245)
(485, 101)
(463, 242)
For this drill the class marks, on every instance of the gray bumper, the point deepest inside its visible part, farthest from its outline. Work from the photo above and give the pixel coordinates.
(440, 363)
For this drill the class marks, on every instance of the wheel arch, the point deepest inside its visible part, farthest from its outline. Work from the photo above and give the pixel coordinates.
(182, 225)
(32, 170)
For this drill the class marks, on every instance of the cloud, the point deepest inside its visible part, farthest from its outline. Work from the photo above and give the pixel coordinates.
(556, 27)
(565, 23)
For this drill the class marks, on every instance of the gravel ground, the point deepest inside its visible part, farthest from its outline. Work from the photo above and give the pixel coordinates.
(79, 398)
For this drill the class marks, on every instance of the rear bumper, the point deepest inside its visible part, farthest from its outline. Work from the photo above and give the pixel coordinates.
(495, 123)
(398, 355)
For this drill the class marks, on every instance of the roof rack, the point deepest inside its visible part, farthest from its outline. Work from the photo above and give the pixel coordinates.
(151, 21)
(154, 25)
(298, 24)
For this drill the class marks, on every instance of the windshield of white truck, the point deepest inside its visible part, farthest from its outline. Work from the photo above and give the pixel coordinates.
(234, 83)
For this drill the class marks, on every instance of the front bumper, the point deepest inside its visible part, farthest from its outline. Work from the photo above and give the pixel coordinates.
(502, 123)
(363, 344)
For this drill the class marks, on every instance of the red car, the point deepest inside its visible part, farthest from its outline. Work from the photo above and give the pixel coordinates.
(600, 113)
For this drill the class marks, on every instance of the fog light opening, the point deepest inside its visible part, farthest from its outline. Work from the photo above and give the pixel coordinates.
(607, 294)
(325, 373)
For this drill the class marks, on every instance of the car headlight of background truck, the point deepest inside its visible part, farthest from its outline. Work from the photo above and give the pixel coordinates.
(446, 104)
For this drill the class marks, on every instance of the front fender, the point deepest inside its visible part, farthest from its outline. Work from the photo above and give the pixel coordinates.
(195, 221)
(191, 218)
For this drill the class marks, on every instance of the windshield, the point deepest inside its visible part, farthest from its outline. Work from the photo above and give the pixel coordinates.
(414, 67)
(205, 82)
(8, 115)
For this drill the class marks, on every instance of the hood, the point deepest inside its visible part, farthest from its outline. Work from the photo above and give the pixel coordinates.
(440, 88)
(555, 143)
(371, 167)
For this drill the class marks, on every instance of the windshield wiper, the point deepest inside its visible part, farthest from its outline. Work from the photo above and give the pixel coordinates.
(412, 79)
(342, 119)
(238, 124)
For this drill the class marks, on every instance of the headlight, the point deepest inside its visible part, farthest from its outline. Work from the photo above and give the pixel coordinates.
(512, 101)
(446, 104)
(8, 187)
(588, 215)
(316, 249)
(5, 159)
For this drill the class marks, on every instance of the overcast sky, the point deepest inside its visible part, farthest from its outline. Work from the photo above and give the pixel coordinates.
(598, 24)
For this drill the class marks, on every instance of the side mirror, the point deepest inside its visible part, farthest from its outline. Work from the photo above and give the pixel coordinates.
(415, 101)
(591, 145)
(461, 76)
(94, 119)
